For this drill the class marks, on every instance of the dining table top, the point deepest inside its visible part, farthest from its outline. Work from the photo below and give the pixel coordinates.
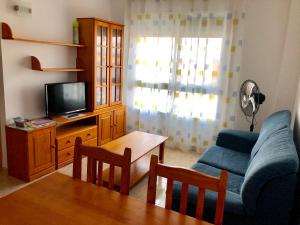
(60, 199)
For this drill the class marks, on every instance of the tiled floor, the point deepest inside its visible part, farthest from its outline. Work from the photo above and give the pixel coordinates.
(172, 157)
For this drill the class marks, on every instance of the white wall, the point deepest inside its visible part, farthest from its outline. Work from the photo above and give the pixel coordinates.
(50, 20)
(290, 66)
(118, 8)
(270, 47)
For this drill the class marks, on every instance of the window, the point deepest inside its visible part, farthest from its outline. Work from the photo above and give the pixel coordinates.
(178, 76)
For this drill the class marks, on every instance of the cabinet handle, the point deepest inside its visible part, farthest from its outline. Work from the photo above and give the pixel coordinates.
(88, 135)
(68, 153)
(53, 146)
(68, 142)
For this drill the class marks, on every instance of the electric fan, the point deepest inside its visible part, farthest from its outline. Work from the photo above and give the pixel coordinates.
(250, 100)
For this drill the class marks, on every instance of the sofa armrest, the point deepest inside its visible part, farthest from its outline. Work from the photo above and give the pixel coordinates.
(238, 140)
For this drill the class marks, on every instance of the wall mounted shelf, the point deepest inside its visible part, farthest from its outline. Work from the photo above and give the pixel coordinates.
(36, 65)
(8, 35)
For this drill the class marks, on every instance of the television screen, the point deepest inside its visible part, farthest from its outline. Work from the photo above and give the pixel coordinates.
(65, 98)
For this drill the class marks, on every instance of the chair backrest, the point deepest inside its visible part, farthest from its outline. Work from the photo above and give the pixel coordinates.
(96, 156)
(187, 177)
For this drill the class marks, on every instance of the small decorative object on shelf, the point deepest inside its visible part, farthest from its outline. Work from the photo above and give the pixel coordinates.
(28, 125)
(75, 32)
(20, 122)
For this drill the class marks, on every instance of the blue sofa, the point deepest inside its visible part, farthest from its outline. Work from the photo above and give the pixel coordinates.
(262, 174)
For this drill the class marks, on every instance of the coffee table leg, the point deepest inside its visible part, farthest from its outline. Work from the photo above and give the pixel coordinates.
(161, 152)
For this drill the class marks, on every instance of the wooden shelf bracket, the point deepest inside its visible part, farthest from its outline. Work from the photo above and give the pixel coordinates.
(35, 64)
(6, 32)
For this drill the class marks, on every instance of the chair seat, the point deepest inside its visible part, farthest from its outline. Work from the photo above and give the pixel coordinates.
(227, 159)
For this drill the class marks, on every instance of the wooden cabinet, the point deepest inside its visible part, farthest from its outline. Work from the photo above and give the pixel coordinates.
(111, 125)
(0, 149)
(106, 125)
(41, 150)
(30, 154)
(119, 122)
(116, 62)
(103, 59)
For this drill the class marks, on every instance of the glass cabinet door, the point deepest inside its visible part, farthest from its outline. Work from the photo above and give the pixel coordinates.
(102, 64)
(116, 64)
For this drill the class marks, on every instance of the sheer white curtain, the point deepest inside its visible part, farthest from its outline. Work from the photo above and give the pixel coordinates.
(183, 68)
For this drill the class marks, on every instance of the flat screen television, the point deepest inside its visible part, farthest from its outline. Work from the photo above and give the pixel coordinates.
(65, 98)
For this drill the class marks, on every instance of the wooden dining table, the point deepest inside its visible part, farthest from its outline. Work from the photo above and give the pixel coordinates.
(61, 200)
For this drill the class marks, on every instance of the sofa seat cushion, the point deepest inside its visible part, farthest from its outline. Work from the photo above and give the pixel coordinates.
(234, 181)
(227, 159)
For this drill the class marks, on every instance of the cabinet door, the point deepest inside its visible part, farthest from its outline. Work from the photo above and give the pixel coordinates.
(102, 64)
(105, 128)
(119, 122)
(41, 150)
(116, 64)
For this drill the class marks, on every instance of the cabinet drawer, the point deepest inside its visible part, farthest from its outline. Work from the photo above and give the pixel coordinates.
(66, 155)
(69, 141)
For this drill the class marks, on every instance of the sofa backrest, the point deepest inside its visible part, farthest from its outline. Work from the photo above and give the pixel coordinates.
(277, 157)
(273, 123)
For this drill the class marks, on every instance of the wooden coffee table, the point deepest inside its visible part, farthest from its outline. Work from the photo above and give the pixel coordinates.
(141, 144)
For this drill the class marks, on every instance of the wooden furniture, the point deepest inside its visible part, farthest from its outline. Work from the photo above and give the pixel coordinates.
(59, 199)
(95, 128)
(36, 65)
(141, 144)
(86, 128)
(103, 59)
(30, 154)
(8, 35)
(0, 148)
(99, 63)
(96, 156)
(187, 177)
(92, 127)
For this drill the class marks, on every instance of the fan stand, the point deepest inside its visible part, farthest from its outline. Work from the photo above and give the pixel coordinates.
(252, 123)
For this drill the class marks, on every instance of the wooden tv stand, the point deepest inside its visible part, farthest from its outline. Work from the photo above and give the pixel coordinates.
(36, 152)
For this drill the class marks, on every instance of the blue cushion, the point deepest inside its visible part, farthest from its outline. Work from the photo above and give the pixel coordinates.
(277, 157)
(239, 140)
(227, 159)
(273, 123)
(234, 181)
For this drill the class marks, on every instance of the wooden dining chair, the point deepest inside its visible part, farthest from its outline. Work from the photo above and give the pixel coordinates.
(187, 177)
(96, 156)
